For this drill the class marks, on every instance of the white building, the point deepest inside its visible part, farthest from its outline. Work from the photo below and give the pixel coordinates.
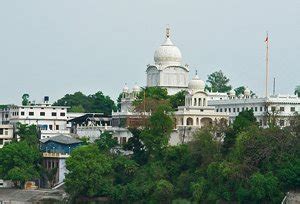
(6, 134)
(168, 71)
(281, 107)
(51, 120)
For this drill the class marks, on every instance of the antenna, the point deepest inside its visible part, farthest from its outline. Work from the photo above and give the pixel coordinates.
(168, 31)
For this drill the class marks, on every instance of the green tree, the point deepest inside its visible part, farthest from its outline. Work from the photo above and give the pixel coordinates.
(157, 132)
(89, 172)
(106, 141)
(178, 99)
(218, 82)
(94, 103)
(28, 133)
(25, 99)
(265, 188)
(244, 120)
(297, 91)
(19, 162)
(163, 192)
(240, 90)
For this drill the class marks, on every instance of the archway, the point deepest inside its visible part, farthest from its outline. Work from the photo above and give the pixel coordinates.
(189, 121)
(206, 122)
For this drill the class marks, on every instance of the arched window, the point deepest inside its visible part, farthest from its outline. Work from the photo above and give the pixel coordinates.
(204, 102)
(189, 121)
(195, 102)
(199, 101)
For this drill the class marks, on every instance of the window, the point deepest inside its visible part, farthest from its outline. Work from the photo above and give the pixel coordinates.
(281, 123)
(261, 109)
(217, 110)
(50, 127)
(57, 127)
(234, 110)
(225, 109)
(255, 109)
(53, 114)
(247, 108)
(281, 109)
(62, 114)
(1, 131)
(260, 122)
(221, 110)
(42, 113)
(293, 109)
(1, 141)
(243, 109)
(229, 110)
(31, 113)
(238, 110)
(273, 108)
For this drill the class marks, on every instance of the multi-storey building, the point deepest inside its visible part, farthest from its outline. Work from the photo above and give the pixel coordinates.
(281, 108)
(51, 120)
(6, 134)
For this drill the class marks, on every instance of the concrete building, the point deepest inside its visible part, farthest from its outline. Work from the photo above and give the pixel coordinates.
(281, 107)
(55, 151)
(168, 70)
(51, 120)
(6, 134)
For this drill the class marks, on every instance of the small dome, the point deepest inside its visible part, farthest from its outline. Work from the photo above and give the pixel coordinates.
(125, 89)
(231, 92)
(196, 84)
(168, 53)
(136, 88)
(247, 92)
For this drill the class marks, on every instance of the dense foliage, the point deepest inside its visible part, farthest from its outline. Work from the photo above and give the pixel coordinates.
(218, 82)
(297, 91)
(20, 161)
(252, 165)
(152, 97)
(94, 103)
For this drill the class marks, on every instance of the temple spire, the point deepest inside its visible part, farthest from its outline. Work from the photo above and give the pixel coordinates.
(168, 31)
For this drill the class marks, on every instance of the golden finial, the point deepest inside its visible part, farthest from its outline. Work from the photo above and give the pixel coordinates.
(168, 31)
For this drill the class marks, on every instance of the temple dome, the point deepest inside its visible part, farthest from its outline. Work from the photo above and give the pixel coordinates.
(231, 92)
(125, 89)
(247, 92)
(167, 53)
(196, 84)
(136, 88)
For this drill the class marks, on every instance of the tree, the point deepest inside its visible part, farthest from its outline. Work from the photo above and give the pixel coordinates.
(28, 133)
(244, 120)
(163, 192)
(94, 103)
(297, 91)
(178, 99)
(218, 82)
(25, 99)
(106, 141)
(19, 162)
(157, 132)
(240, 90)
(265, 188)
(89, 172)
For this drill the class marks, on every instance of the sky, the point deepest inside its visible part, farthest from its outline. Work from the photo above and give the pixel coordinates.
(51, 48)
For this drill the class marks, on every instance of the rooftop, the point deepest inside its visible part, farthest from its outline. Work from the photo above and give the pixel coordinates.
(63, 139)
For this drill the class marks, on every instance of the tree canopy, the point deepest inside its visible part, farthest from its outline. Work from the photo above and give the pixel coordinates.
(218, 82)
(251, 165)
(94, 103)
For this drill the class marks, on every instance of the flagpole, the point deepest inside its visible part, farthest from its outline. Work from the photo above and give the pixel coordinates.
(267, 63)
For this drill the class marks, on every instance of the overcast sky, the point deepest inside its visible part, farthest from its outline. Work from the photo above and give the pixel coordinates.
(62, 46)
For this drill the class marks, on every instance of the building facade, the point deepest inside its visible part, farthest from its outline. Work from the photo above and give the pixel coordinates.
(168, 71)
(55, 152)
(51, 120)
(6, 134)
(281, 108)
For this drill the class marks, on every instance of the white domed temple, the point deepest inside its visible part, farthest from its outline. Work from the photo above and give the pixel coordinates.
(167, 70)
